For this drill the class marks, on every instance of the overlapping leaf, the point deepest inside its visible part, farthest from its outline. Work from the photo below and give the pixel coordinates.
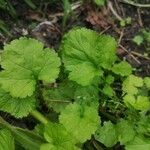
(107, 134)
(131, 84)
(16, 106)
(76, 117)
(58, 138)
(58, 98)
(85, 53)
(123, 68)
(125, 131)
(135, 97)
(24, 62)
(139, 103)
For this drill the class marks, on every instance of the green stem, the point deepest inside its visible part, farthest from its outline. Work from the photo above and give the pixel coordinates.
(135, 4)
(4, 124)
(37, 115)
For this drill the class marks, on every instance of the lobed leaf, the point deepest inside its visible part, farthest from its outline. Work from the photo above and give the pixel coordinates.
(15, 106)
(58, 138)
(85, 53)
(107, 134)
(131, 84)
(76, 117)
(140, 103)
(123, 68)
(125, 131)
(25, 61)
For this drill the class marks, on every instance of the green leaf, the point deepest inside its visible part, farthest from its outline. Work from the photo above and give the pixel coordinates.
(99, 2)
(123, 68)
(87, 95)
(6, 140)
(144, 125)
(147, 82)
(85, 53)
(81, 121)
(125, 131)
(140, 103)
(139, 143)
(108, 90)
(109, 79)
(58, 138)
(17, 82)
(107, 134)
(25, 61)
(86, 75)
(58, 98)
(131, 84)
(16, 106)
(138, 39)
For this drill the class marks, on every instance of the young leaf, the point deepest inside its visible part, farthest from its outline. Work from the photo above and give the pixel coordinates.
(123, 68)
(108, 90)
(140, 103)
(15, 106)
(107, 134)
(144, 125)
(109, 79)
(131, 84)
(139, 143)
(138, 39)
(6, 140)
(76, 117)
(147, 82)
(24, 62)
(85, 53)
(125, 132)
(58, 138)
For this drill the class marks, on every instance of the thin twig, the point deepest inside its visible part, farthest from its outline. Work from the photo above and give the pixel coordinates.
(130, 54)
(110, 6)
(105, 29)
(121, 36)
(140, 18)
(140, 55)
(134, 53)
(135, 4)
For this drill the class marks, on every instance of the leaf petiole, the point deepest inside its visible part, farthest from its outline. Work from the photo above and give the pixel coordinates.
(37, 115)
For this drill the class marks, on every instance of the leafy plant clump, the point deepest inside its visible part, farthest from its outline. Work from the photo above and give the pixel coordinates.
(85, 84)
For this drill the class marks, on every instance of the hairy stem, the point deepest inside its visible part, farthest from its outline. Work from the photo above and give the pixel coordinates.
(37, 115)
